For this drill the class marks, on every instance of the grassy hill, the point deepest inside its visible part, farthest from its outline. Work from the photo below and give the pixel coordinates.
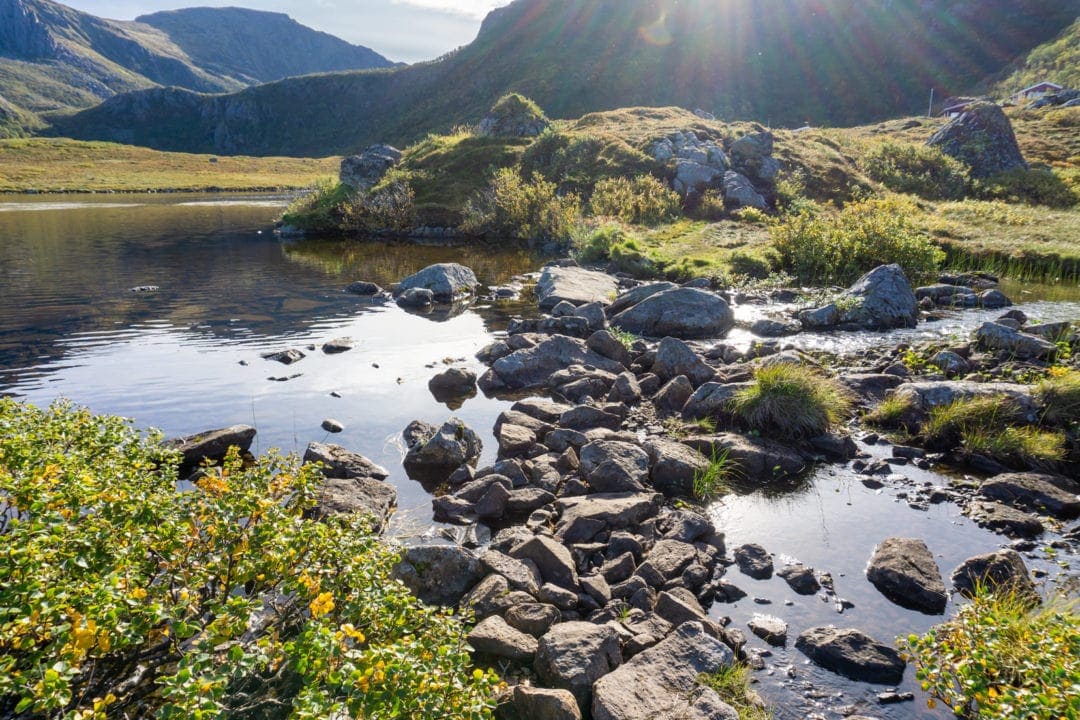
(831, 62)
(1057, 61)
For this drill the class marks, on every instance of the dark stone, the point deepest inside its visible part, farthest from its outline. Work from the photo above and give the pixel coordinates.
(852, 654)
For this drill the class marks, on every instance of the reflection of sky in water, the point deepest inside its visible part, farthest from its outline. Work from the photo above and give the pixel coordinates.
(58, 206)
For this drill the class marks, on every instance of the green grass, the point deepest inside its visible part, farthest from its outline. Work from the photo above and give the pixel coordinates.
(1057, 60)
(319, 211)
(711, 482)
(893, 412)
(1003, 657)
(59, 165)
(1017, 447)
(1059, 397)
(792, 401)
(947, 423)
(732, 684)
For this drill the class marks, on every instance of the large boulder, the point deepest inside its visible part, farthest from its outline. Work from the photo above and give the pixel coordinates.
(433, 453)
(982, 138)
(740, 193)
(1000, 569)
(881, 299)
(364, 171)
(853, 654)
(660, 682)
(924, 396)
(446, 281)
(210, 445)
(632, 297)
(574, 285)
(351, 496)
(614, 467)
(692, 176)
(903, 569)
(684, 313)
(675, 358)
(574, 655)
(531, 367)
(439, 574)
(514, 116)
(995, 336)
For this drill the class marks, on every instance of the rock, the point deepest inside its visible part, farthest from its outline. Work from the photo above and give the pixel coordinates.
(693, 177)
(751, 148)
(439, 574)
(551, 558)
(835, 446)
(614, 467)
(589, 417)
(768, 328)
(446, 281)
(739, 192)
(685, 313)
(340, 463)
(338, 345)
(800, 578)
(950, 363)
(350, 496)
(852, 654)
(593, 313)
(492, 504)
(415, 298)
(632, 297)
(285, 357)
(1000, 569)
(665, 561)
(982, 138)
(771, 629)
(625, 389)
(514, 116)
(659, 682)
(871, 386)
(210, 445)
(584, 517)
(520, 574)
(607, 345)
(533, 618)
(672, 397)
(993, 300)
(364, 171)
(493, 636)
(881, 299)
(331, 425)
(453, 384)
(435, 453)
(674, 467)
(1051, 494)
(574, 655)
(1004, 519)
(574, 285)
(679, 605)
(675, 358)
(755, 459)
(531, 703)
(363, 288)
(532, 366)
(994, 336)
(924, 396)
(1051, 331)
(754, 560)
(712, 400)
(903, 569)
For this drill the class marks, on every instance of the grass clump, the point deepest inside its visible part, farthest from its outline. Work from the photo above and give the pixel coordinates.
(577, 160)
(791, 401)
(894, 412)
(1017, 447)
(1002, 657)
(732, 684)
(1059, 396)
(513, 207)
(839, 247)
(711, 482)
(122, 597)
(916, 170)
(643, 200)
(319, 211)
(947, 424)
(1037, 186)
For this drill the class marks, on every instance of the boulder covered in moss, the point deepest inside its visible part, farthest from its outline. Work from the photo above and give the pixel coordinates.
(514, 116)
(982, 138)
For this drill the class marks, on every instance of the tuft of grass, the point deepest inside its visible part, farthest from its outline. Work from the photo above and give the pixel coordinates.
(892, 412)
(1060, 399)
(947, 423)
(792, 401)
(319, 211)
(711, 482)
(732, 684)
(1002, 657)
(623, 336)
(1018, 447)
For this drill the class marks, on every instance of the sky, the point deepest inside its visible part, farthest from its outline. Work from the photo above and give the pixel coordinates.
(402, 30)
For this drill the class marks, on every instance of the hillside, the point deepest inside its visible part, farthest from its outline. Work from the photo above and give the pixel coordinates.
(1057, 61)
(832, 62)
(55, 58)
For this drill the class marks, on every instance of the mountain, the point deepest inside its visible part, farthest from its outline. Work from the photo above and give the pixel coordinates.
(1057, 61)
(784, 62)
(53, 57)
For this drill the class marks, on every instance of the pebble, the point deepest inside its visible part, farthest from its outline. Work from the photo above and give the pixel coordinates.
(332, 426)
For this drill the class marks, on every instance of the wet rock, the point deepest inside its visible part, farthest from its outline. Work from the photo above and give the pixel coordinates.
(835, 446)
(531, 367)
(684, 313)
(754, 560)
(551, 558)
(446, 281)
(674, 467)
(493, 636)
(656, 682)
(800, 578)
(210, 445)
(1052, 494)
(532, 703)
(574, 655)
(994, 336)
(880, 300)
(338, 346)
(533, 618)
(993, 300)
(331, 425)
(574, 285)
(1001, 569)
(362, 288)
(415, 298)
(771, 629)
(768, 328)
(452, 384)
(614, 467)
(903, 569)
(853, 654)
(285, 357)
(675, 358)
(982, 138)
(435, 453)
(439, 574)
(1004, 519)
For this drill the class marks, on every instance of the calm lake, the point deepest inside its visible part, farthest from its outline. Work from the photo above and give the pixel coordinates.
(187, 357)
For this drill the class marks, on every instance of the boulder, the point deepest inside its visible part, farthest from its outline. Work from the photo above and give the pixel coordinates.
(493, 636)
(338, 345)
(754, 560)
(1000, 569)
(924, 396)
(614, 467)
(672, 397)
(364, 171)
(210, 445)
(800, 578)
(771, 629)
(684, 313)
(666, 561)
(453, 384)
(903, 569)
(693, 177)
(446, 281)
(1004, 519)
(533, 618)
(675, 358)
(582, 518)
(632, 297)
(574, 655)
(520, 574)
(514, 116)
(660, 682)
(982, 138)
(1051, 494)
(739, 192)
(435, 453)
(607, 345)
(574, 285)
(337, 462)
(360, 495)
(881, 299)
(362, 288)
(416, 298)
(995, 336)
(551, 558)
(439, 574)
(531, 367)
(533, 703)
(769, 328)
(674, 467)
(755, 459)
(853, 654)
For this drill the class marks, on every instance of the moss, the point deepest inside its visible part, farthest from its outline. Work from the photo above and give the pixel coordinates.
(791, 401)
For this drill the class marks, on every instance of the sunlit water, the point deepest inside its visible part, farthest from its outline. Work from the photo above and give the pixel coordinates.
(187, 357)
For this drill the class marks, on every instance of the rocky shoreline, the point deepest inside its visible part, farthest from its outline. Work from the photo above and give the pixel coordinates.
(584, 552)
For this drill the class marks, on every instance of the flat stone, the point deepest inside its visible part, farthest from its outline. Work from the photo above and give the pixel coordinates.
(771, 629)
(853, 654)
(575, 285)
(1051, 494)
(1004, 519)
(614, 467)
(492, 636)
(552, 559)
(603, 511)
(665, 561)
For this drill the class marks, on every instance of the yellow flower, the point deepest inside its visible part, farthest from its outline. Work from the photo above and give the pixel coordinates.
(352, 632)
(138, 594)
(322, 604)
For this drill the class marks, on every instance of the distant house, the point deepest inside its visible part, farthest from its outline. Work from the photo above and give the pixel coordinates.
(1037, 91)
(956, 110)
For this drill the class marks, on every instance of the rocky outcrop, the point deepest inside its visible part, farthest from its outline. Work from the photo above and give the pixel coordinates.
(531, 367)
(684, 313)
(903, 569)
(739, 193)
(881, 299)
(982, 138)
(446, 281)
(853, 654)
(514, 116)
(364, 171)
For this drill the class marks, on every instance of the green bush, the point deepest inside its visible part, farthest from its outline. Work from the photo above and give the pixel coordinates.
(319, 210)
(513, 207)
(643, 200)
(709, 206)
(122, 596)
(1035, 187)
(1000, 657)
(388, 206)
(576, 162)
(841, 247)
(791, 401)
(917, 170)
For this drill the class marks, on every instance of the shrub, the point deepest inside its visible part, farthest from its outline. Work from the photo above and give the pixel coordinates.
(917, 170)
(751, 216)
(711, 481)
(791, 401)
(1035, 187)
(1060, 399)
(389, 206)
(517, 208)
(709, 206)
(1000, 657)
(840, 247)
(318, 210)
(614, 244)
(121, 596)
(644, 200)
